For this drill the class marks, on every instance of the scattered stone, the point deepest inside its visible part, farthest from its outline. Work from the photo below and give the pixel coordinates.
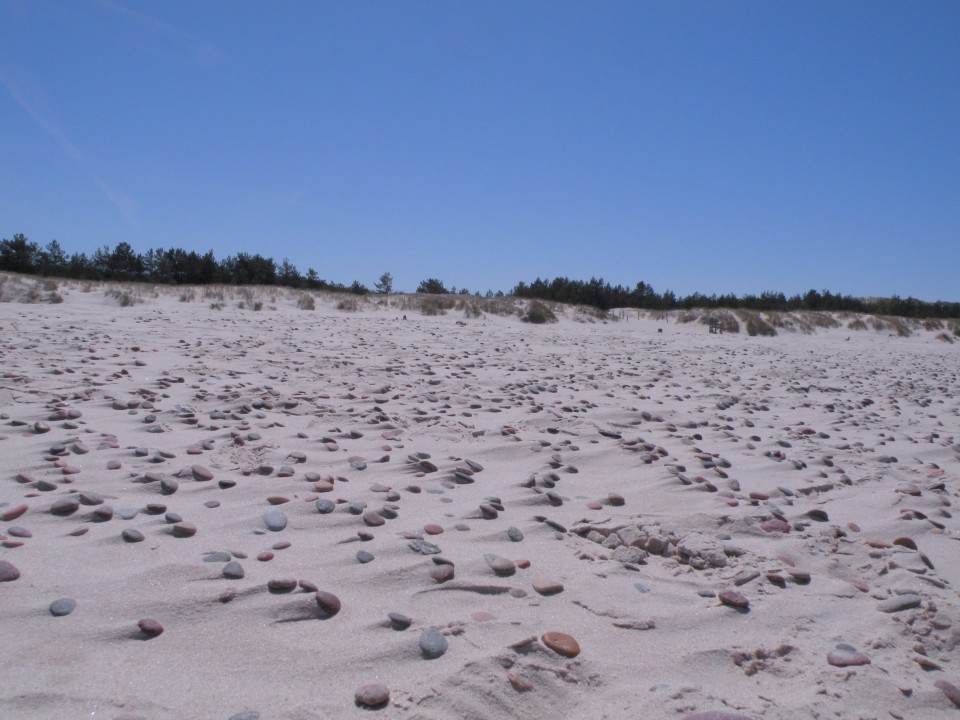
(275, 520)
(733, 599)
(847, 658)
(132, 536)
(233, 570)
(150, 628)
(433, 644)
(62, 606)
(8, 571)
(514, 534)
(423, 547)
(184, 530)
(372, 695)
(898, 603)
(399, 621)
(561, 643)
(501, 566)
(328, 603)
(364, 557)
(442, 573)
(548, 587)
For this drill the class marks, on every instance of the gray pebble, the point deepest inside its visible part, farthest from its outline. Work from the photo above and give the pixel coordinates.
(325, 506)
(217, 557)
(127, 513)
(433, 644)
(515, 534)
(364, 557)
(233, 570)
(63, 606)
(275, 520)
(423, 547)
(899, 602)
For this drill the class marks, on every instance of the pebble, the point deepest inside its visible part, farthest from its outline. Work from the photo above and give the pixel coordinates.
(950, 690)
(62, 606)
(325, 506)
(899, 602)
(432, 529)
(132, 536)
(265, 556)
(733, 599)
(65, 506)
(149, 627)
(716, 715)
(201, 473)
(275, 520)
(184, 530)
(233, 570)
(548, 587)
(127, 513)
(847, 658)
(14, 512)
(373, 519)
(328, 603)
(423, 547)
(364, 557)
(372, 695)
(8, 571)
(442, 573)
(561, 643)
(514, 534)
(278, 585)
(433, 644)
(399, 621)
(500, 565)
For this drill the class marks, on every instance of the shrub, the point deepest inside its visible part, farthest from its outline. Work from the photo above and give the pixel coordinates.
(257, 306)
(946, 338)
(857, 324)
(306, 302)
(348, 304)
(433, 306)
(188, 296)
(538, 314)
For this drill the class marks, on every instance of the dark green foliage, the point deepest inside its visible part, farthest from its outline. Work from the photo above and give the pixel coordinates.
(432, 286)
(384, 285)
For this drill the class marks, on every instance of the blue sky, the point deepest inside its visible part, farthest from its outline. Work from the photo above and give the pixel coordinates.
(698, 146)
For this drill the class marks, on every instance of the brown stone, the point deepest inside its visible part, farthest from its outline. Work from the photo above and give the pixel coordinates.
(14, 512)
(548, 587)
(149, 627)
(372, 695)
(8, 571)
(328, 602)
(734, 599)
(561, 643)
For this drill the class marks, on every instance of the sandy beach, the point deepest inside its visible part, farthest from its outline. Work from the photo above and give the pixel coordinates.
(211, 511)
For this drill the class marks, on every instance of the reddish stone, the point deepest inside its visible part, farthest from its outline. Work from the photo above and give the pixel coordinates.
(328, 602)
(150, 628)
(561, 643)
(14, 512)
(372, 695)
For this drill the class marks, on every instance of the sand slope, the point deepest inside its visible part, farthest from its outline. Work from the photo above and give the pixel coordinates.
(647, 473)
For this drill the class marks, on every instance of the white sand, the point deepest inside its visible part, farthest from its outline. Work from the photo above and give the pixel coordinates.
(523, 401)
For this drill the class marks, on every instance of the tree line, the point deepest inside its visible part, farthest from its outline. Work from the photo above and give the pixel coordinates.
(597, 293)
(165, 266)
(175, 266)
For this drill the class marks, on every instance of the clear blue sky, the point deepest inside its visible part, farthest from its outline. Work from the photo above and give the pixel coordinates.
(735, 146)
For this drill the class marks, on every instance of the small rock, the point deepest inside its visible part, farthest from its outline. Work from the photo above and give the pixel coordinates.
(132, 536)
(62, 606)
(8, 572)
(372, 695)
(399, 621)
(561, 643)
(899, 602)
(733, 599)
(514, 534)
(500, 565)
(150, 628)
(275, 520)
(433, 644)
(847, 658)
(364, 557)
(548, 587)
(328, 603)
(233, 570)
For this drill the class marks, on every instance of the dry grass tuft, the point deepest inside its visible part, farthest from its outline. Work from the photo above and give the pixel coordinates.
(305, 301)
(756, 324)
(538, 313)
